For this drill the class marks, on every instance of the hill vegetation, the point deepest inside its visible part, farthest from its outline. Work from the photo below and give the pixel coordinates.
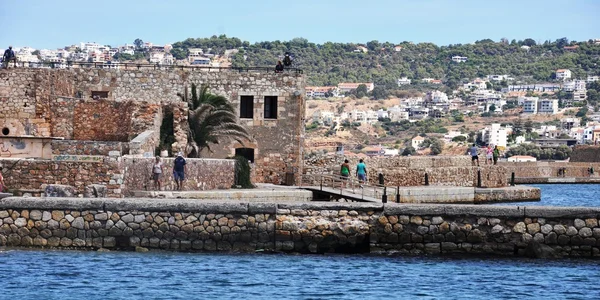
(381, 63)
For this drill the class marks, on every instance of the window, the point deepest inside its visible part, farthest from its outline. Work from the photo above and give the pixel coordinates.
(270, 107)
(99, 95)
(247, 153)
(247, 107)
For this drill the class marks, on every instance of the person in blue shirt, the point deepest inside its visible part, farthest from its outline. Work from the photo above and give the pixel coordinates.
(474, 156)
(179, 170)
(361, 172)
(9, 55)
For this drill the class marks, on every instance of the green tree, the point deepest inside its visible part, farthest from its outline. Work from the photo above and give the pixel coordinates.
(528, 126)
(408, 151)
(211, 118)
(582, 112)
(492, 108)
(139, 44)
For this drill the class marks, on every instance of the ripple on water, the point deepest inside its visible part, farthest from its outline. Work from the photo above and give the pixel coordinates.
(155, 275)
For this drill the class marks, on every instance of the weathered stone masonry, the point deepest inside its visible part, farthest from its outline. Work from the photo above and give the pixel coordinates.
(297, 227)
(43, 102)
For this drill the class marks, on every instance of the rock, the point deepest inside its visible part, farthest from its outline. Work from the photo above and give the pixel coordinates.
(536, 250)
(591, 223)
(103, 250)
(128, 218)
(20, 222)
(59, 190)
(46, 216)
(547, 228)
(101, 216)
(58, 215)
(572, 231)
(78, 223)
(585, 232)
(533, 228)
(404, 219)
(141, 249)
(95, 191)
(497, 229)
(560, 229)
(35, 215)
(437, 220)
(579, 223)
(519, 227)
(416, 220)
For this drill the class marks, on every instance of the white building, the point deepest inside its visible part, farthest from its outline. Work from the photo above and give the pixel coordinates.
(548, 106)
(477, 84)
(417, 141)
(372, 117)
(436, 97)
(521, 158)
(323, 117)
(459, 59)
(397, 114)
(591, 79)
(345, 87)
(574, 85)
(563, 74)
(521, 100)
(526, 48)
(497, 77)
(403, 81)
(530, 105)
(90, 47)
(358, 116)
(382, 114)
(494, 135)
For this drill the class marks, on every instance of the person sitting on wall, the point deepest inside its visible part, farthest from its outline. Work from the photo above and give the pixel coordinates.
(9, 55)
(287, 60)
(179, 170)
(279, 67)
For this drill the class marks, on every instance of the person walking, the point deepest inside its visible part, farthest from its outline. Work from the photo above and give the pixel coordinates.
(474, 157)
(9, 55)
(345, 172)
(157, 170)
(496, 154)
(179, 170)
(361, 172)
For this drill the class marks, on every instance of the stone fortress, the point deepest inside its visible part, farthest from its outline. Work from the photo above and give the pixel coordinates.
(88, 126)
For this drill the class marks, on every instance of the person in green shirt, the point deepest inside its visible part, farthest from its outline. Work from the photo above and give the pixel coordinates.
(345, 172)
(361, 172)
(496, 154)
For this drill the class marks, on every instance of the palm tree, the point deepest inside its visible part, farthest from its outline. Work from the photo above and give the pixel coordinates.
(210, 118)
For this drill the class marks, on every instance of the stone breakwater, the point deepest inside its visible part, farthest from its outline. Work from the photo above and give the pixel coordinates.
(190, 225)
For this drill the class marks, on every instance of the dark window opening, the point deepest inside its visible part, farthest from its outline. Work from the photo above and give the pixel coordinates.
(247, 107)
(99, 95)
(5, 131)
(270, 107)
(247, 153)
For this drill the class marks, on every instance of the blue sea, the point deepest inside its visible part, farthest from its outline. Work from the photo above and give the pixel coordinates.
(43, 274)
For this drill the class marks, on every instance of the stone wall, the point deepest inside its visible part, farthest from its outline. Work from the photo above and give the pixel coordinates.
(32, 175)
(75, 147)
(585, 153)
(300, 227)
(277, 142)
(544, 169)
(200, 174)
(410, 171)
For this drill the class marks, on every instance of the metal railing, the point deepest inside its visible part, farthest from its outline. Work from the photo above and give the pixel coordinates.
(352, 187)
(138, 66)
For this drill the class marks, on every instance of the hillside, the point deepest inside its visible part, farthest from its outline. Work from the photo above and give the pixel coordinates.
(383, 63)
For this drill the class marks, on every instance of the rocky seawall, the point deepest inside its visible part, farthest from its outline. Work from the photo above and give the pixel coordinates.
(315, 227)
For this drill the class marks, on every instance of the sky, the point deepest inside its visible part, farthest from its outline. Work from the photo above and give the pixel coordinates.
(57, 23)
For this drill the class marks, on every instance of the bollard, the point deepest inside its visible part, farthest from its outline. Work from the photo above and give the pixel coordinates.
(381, 178)
(478, 178)
(398, 194)
(384, 197)
(512, 179)
(426, 179)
